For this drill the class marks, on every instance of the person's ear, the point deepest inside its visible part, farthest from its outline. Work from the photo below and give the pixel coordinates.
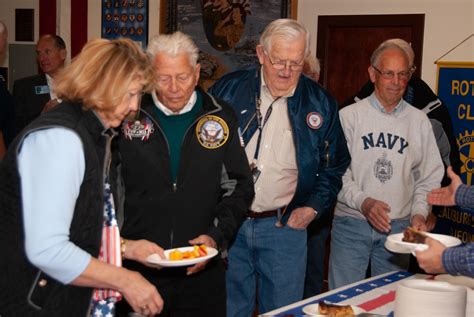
(260, 53)
(197, 72)
(371, 71)
(63, 54)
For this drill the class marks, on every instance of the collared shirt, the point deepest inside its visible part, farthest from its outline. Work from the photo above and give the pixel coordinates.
(459, 260)
(276, 184)
(464, 196)
(168, 112)
(378, 105)
(50, 82)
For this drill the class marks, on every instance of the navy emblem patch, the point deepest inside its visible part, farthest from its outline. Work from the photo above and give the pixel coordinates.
(138, 129)
(383, 169)
(212, 132)
(314, 120)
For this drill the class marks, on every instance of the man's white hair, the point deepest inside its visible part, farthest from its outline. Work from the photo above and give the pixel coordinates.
(173, 45)
(285, 29)
(386, 45)
(404, 45)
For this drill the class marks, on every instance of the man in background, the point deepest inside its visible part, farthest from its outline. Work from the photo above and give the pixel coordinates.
(395, 163)
(7, 118)
(35, 94)
(420, 95)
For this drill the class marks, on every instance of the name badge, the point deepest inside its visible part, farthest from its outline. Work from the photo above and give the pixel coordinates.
(41, 90)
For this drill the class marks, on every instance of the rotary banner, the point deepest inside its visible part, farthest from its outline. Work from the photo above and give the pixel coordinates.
(456, 89)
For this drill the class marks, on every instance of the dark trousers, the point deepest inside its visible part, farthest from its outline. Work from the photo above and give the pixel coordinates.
(318, 232)
(199, 294)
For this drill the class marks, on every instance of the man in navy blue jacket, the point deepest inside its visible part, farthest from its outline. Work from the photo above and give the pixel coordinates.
(298, 154)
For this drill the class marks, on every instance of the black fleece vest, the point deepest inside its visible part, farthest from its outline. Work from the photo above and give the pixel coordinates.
(24, 289)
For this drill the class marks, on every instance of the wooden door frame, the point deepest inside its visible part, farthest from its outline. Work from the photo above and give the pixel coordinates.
(415, 21)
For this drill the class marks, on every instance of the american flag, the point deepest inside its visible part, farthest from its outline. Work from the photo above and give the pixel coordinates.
(110, 246)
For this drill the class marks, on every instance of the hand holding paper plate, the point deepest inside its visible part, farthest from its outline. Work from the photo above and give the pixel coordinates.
(395, 243)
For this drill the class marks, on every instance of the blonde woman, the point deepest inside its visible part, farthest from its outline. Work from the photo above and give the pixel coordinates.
(61, 248)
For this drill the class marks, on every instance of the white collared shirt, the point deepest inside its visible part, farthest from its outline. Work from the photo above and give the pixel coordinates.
(52, 93)
(188, 107)
(50, 82)
(276, 185)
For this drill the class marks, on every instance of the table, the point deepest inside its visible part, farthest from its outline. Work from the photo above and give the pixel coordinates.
(376, 295)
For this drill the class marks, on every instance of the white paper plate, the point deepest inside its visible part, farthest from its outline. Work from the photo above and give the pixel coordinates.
(428, 298)
(395, 244)
(456, 280)
(156, 259)
(313, 310)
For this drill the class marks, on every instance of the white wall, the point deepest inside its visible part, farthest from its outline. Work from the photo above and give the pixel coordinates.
(447, 23)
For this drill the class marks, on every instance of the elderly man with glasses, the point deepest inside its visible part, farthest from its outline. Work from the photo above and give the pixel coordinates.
(297, 152)
(395, 163)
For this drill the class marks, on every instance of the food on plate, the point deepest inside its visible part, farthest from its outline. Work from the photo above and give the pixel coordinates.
(334, 310)
(413, 236)
(197, 252)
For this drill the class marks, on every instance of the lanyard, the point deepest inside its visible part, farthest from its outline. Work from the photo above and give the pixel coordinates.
(261, 124)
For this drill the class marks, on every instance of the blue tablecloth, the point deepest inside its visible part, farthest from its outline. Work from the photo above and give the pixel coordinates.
(344, 294)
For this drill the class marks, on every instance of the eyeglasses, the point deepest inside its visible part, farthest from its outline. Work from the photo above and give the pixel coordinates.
(282, 64)
(404, 75)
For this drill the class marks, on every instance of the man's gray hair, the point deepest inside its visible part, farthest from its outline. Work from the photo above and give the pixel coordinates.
(173, 45)
(404, 45)
(375, 58)
(285, 29)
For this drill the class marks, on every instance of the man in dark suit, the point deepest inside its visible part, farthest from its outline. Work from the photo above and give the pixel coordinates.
(35, 94)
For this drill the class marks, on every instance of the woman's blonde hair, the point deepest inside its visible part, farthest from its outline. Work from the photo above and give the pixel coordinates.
(101, 74)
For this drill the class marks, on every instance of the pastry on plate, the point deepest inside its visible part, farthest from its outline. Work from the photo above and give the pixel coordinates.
(334, 310)
(412, 235)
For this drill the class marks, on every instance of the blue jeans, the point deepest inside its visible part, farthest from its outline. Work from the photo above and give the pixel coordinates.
(354, 242)
(270, 257)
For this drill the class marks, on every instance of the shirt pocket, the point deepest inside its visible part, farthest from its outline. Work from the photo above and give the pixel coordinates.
(286, 156)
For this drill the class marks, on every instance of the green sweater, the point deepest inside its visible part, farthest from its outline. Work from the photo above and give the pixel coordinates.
(174, 128)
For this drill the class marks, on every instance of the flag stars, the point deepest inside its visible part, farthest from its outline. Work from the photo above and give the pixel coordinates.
(98, 312)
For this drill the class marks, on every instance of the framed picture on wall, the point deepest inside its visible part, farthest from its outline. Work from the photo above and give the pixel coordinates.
(226, 31)
(125, 18)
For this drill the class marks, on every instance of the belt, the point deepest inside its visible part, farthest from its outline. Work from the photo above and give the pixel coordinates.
(262, 214)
